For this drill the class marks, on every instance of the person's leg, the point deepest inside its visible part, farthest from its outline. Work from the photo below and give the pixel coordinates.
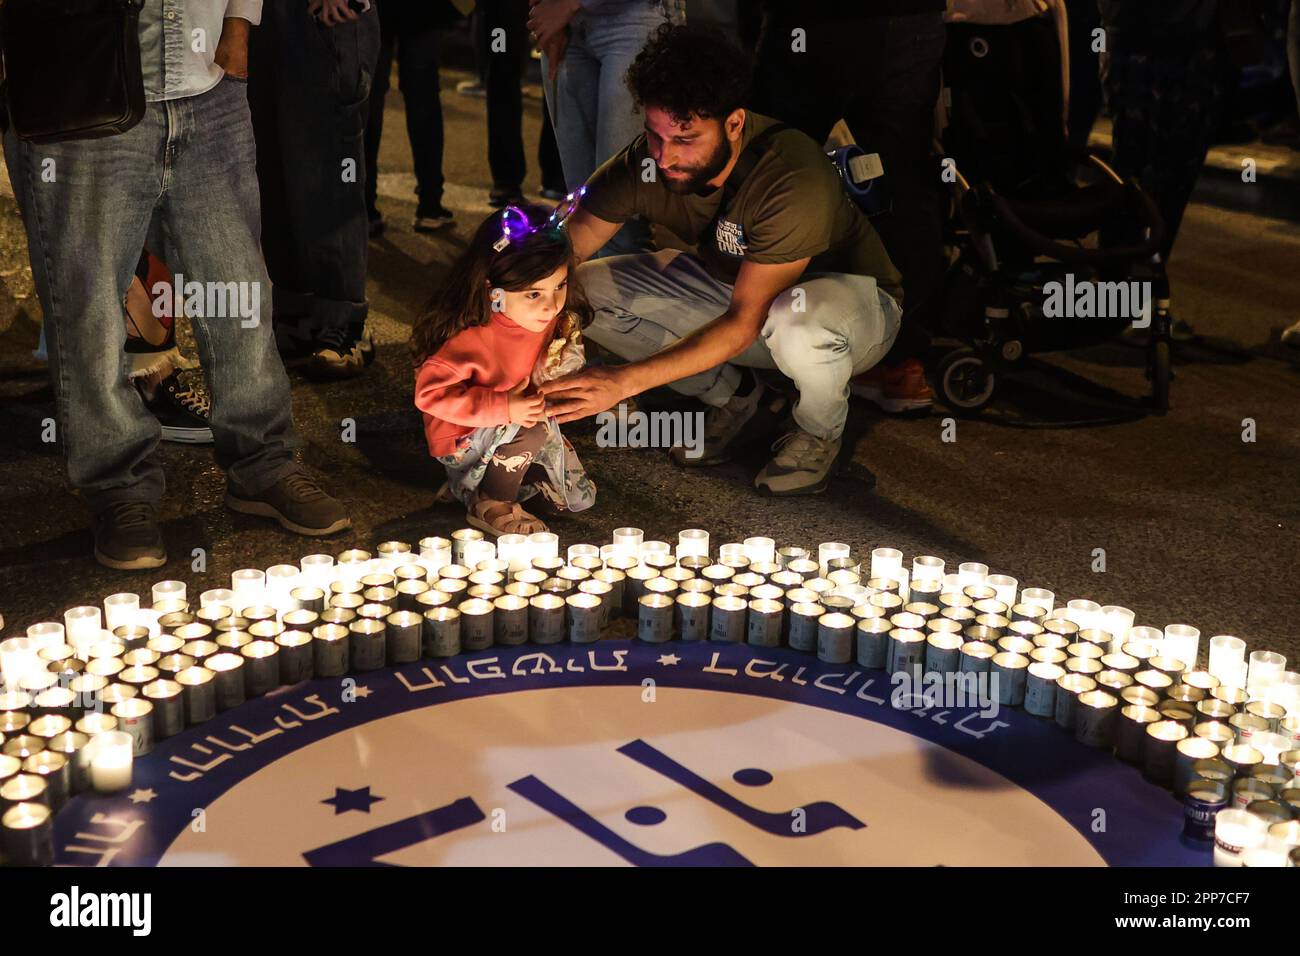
(644, 303)
(375, 117)
(417, 75)
(1085, 79)
(548, 157)
(509, 464)
(1293, 48)
(208, 219)
(572, 100)
(844, 325)
(323, 88)
(615, 39)
(86, 206)
(502, 73)
(893, 115)
(797, 88)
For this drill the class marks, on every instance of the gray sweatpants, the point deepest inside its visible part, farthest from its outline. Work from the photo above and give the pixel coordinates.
(819, 333)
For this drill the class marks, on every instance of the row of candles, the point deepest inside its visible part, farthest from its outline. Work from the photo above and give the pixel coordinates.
(84, 696)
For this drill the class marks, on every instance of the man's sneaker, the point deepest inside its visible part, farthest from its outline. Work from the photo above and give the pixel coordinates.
(473, 88)
(1181, 330)
(722, 423)
(898, 389)
(1291, 336)
(802, 465)
(340, 354)
(553, 193)
(182, 412)
(434, 220)
(500, 197)
(297, 502)
(129, 538)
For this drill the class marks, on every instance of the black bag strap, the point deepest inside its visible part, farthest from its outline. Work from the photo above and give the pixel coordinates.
(754, 150)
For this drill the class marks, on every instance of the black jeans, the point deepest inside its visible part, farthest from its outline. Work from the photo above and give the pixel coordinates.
(502, 74)
(881, 75)
(308, 90)
(416, 51)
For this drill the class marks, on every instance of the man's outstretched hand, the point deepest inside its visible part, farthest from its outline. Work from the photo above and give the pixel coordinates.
(583, 393)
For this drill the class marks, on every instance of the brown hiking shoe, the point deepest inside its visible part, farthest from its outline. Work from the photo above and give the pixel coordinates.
(297, 502)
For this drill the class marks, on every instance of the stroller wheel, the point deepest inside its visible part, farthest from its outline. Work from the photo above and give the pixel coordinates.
(965, 380)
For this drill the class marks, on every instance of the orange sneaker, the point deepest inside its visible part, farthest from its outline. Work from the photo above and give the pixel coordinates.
(898, 389)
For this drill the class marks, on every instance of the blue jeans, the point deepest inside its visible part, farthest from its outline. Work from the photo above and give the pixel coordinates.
(182, 182)
(591, 107)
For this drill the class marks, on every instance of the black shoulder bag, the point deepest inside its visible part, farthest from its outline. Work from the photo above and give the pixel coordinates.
(72, 68)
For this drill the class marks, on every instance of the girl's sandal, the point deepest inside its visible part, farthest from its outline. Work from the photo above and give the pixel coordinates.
(502, 517)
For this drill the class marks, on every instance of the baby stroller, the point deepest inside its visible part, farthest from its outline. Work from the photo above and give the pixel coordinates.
(1032, 226)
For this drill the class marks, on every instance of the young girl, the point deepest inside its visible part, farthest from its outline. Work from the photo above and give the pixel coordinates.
(505, 320)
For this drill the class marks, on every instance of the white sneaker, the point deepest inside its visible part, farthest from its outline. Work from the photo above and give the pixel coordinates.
(802, 465)
(1291, 335)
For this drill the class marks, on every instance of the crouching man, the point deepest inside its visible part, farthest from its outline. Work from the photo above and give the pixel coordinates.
(787, 272)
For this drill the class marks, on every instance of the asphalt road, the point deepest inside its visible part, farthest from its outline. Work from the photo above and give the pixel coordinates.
(1197, 525)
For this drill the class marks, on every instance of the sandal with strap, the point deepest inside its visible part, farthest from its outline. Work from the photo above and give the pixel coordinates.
(502, 517)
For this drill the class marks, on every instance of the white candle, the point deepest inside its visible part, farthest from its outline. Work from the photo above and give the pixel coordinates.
(1039, 597)
(926, 567)
(607, 551)
(629, 541)
(886, 563)
(1271, 745)
(1267, 854)
(217, 597)
(46, 634)
(1182, 642)
(857, 593)
(1226, 652)
(951, 585)
(1117, 621)
(168, 591)
(1234, 675)
(1083, 612)
(660, 548)
(18, 658)
(693, 541)
(1234, 831)
(514, 549)
(110, 763)
(1265, 667)
(1003, 584)
(281, 579)
(828, 551)
(575, 551)
(248, 585)
(733, 551)
(317, 570)
(82, 625)
(435, 553)
(760, 550)
(971, 572)
(119, 609)
(485, 550)
(544, 544)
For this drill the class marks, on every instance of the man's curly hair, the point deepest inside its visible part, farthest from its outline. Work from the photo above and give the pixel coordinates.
(687, 70)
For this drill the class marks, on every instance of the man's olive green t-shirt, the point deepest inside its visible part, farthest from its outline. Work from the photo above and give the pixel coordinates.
(791, 206)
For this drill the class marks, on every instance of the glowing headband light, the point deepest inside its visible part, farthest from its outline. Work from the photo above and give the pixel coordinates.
(515, 224)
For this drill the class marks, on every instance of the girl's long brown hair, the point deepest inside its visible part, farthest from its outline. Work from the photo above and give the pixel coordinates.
(464, 299)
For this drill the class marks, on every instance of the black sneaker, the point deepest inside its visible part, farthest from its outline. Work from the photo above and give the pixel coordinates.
(499, 197)
(129, 538)
(342, 354)
(433, 220)
(183, 412)
(297, 502)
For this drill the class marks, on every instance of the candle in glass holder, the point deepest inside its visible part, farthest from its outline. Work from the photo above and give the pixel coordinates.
(217, 597)
(18, 658)
(281, 579)
(82, 626)
(515, 550)
(760, 550)
(971, 572)
(1235, 831)
(886, 563)
(828, 551)
(628, 540)
(544, 544)
(1181, 642)
(120, 609)
(926, 567)
(1003, 584)
(110, 761)
(248, 585)
(1116, 621)
(575, 551)
(27, 834)
(168, 591)
(1040, 597)
(1226, 652)
(1264, 668)
(692, 541)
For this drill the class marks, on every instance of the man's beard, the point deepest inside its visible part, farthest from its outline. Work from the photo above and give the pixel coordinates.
(698, 176)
